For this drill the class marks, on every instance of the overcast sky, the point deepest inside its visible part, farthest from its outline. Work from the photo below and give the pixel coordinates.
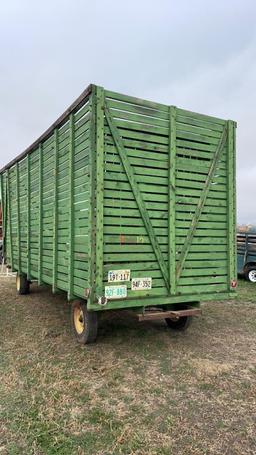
(197, 54)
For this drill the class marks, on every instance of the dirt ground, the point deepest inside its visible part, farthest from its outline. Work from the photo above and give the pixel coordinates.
(141, 389)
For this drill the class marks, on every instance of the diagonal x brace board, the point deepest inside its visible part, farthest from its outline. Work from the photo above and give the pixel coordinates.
(137, 195)
(201, 203)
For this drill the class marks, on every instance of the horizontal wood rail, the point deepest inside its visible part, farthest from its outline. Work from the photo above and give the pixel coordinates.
(152, 315)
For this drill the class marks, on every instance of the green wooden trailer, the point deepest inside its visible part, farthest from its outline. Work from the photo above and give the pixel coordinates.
(125, 203)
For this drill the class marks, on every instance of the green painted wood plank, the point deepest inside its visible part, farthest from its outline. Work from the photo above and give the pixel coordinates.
(84, 110)
(140, 149)
(197, 136)
(40, 217)
(141, 172)
(113, 184)
(202, 232)
(100, 104)
(203, 117)
(137, 158)
(136, 301)
(140, 135)
(132, 248)
(71, 209)
(231, 251)
(196, 166)
(203, 224)
(194, 177)
(18, 214)
(144, 127)
(207, 288)
(144, 179)
(126, 112)
(9, 216)
(212, 202)
(202, 131)
(206, 125)
(55, 212)
(138, 109)
(3, 203)
(28, 214)
(197, 146)
(115, 203)
(133, 213)
(172, 205)
(137, 101)
(126, 221)
(188, 188)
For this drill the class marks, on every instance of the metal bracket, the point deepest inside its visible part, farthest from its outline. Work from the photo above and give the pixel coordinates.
(87, 292)
(102, 301)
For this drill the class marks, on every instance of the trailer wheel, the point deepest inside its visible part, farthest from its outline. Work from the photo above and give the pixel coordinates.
(250, 274)
(84, 323)
(181, 323)
(22, 284)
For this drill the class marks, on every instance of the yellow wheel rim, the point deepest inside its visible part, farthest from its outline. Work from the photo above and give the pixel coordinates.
(79, 320)
(18, 283)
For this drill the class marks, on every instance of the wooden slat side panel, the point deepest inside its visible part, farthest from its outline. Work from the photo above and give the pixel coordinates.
(43, 215)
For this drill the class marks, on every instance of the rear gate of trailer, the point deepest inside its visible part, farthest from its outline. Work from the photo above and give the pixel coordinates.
(168, 199)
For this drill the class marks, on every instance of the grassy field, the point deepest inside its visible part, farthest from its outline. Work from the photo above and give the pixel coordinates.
(141, 389)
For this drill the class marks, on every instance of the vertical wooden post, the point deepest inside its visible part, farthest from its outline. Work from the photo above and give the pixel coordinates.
(18, 215)
(231, 215)
(55, 213)
(92, 199)
(71, 206)
(5, 219)
(28, 218)
(2, 194)
(40, 215)
(234, 195)
(172, 211)
(3, 205)
(9, 217)
(100, 189)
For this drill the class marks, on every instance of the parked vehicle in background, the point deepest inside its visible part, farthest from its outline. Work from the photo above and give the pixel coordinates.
(246, 252)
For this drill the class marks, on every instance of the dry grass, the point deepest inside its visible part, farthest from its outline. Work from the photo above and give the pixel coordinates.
(141, 389)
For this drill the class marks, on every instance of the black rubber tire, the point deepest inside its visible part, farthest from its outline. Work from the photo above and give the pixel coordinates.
(247, 274)
(89, 321)
(22, 284)
(180, 324)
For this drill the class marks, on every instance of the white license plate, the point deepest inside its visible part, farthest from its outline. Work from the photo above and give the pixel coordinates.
(141, 284)
(119, 275)
(116, 292)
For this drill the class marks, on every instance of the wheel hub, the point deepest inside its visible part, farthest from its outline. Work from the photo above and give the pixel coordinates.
(79, 320)
(18, 283)
(252, 276)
